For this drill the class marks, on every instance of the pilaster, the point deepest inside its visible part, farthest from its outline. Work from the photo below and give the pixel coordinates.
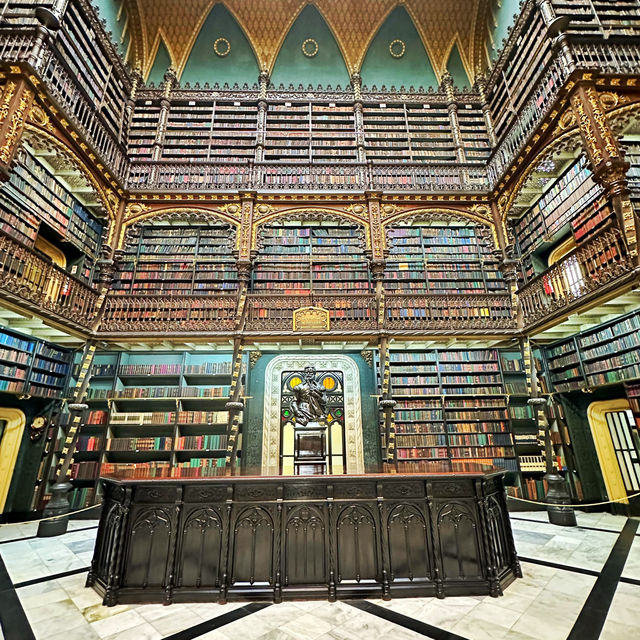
(15, 104)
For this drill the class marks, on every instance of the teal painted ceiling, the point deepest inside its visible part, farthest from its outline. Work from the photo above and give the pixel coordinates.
(323, 63)
(412, 69)
(239, 65)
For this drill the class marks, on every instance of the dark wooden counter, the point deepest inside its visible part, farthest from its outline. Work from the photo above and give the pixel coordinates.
(251, 538)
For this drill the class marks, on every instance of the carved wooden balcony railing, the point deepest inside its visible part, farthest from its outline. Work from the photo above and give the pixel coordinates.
(356, 311)
(609, 57)
(210, 176)
(594, 267)
(58, 78)
(191, 313)
(437, 311)
(35, 282)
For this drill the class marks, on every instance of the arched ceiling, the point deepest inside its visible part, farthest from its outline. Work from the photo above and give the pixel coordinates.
(441, 24)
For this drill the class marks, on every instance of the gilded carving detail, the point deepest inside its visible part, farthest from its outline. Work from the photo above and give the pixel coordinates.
(589, 132)
(15, 126)
(603, 124)
(7, 95)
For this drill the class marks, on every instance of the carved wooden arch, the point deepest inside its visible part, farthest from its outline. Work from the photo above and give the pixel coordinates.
(310, 213)
(621, 116)
(107, 197)
(569, 140)
(478, 214)
(137, 213)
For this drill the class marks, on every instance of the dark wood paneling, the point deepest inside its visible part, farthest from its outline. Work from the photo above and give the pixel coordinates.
(283, 538)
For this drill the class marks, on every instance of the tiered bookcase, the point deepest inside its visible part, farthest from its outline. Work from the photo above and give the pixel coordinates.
(606, 354)
(33, 367)
(600, 17)
(143, 129)
(312, 257)
(452, 410)
(386, 132)
(288, 132)
(35, 202)
(572, 204)
(431, 137)
(440, 258)
(179, 259)
(333, 133)
(153, 414)
(473, 130)
(218, 130)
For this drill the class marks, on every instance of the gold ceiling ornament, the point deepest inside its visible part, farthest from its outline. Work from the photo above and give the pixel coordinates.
(266, 23)
(222, 47)
(397, 48)
(310, 48)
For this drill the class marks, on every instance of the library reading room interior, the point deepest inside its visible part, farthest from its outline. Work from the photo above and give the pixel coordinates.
(319, 320)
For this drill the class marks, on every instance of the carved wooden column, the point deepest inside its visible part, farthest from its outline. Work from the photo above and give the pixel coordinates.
(125, 123)
(356, 84)
(452, 108)
(556, 27)
(606, 158)
(165, 105)
(377, 261)
(15, 104)
(481, 87)
(261, 125)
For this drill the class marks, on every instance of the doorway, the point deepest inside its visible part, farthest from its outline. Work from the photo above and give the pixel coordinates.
(618, 447)
(12, 423)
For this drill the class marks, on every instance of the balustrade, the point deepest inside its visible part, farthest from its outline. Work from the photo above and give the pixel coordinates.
(599, 263)
(40, 283)
(475, 311)
(136, 313)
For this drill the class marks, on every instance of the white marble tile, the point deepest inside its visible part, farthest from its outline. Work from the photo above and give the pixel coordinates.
(140, 632)
(362, 625)
(118, 623)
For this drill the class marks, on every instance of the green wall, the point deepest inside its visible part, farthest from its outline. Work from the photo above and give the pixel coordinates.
(253, 417)
(456, 68)
(327, 67)
(160, 65)
(413, 69)
(108, 11)
(204, 65)
(505, 17)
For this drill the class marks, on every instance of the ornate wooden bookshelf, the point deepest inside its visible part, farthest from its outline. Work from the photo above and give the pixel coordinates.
(158, 413)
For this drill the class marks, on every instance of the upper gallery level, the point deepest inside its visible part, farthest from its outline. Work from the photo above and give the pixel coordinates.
(414, 96)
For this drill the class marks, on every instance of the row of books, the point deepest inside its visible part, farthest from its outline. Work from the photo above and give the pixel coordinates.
(158, 417)
(202, 442)
(140, 444)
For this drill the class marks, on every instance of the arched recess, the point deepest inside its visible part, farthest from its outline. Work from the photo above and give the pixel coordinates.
(173, 215)
(162, 60)
(209, 60)
(324, 63)
(310, 214)
(9, 448)
(568, 142)
(440, 214)
(381, 66)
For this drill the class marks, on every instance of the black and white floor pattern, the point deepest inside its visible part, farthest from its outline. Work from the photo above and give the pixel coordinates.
(579, 584)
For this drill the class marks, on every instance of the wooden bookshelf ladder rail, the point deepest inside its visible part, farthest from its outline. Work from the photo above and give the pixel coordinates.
(59, 503)
(387, 403)
(558, 492)
(234, 406)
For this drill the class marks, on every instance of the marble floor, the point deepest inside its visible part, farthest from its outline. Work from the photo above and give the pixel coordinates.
(570, 576)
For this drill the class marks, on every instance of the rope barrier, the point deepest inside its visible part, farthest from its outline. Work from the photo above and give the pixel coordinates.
(576, 506)
(62, 515)
(547, 504)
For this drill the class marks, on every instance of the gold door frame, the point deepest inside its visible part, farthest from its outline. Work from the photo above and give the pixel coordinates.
(609, 465)
(9, 448)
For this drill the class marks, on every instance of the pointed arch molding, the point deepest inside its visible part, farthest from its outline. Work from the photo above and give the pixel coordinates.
(44, 138)
(478, 213)
(354, 24)
(353, 414)
(9, 449)
(137, 212)
(269, 216)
